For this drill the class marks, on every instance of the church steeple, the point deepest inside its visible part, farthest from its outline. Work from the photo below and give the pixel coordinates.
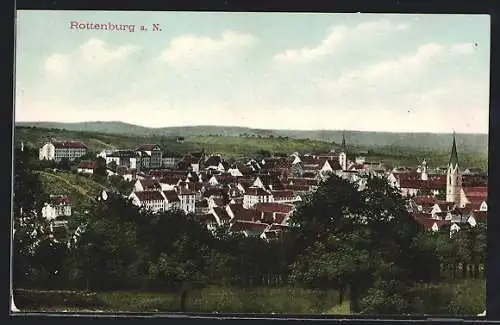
(454, 155)
(454, 177)
(343, 154)
(343, 142)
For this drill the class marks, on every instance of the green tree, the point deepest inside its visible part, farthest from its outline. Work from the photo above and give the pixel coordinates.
(100, 172)
(108, 254)
(350, 235)
(36, 257)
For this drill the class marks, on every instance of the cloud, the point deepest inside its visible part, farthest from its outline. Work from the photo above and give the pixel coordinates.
(393, 74)
(97, 52)
(464, 48)
(57, 64)
(93, 54)
(197, 49)
(338, 38)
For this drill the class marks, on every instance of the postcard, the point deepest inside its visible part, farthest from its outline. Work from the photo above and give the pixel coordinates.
(263, 163)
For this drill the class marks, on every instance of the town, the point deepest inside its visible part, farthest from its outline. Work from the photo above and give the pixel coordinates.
(256, 197)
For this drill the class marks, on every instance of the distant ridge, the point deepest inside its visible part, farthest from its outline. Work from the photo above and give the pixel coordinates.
(435, 141)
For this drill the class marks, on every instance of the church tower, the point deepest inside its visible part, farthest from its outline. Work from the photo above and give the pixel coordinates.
(423, 172)
(343, 154)
(453, 177)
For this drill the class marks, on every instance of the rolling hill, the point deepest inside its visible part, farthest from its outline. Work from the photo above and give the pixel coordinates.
(472, 143)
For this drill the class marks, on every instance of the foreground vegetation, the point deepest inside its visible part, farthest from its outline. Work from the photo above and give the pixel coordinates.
(465, 297)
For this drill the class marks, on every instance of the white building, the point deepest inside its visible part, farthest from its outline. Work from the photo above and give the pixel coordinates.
(256, 195)
(153, 201)
(57, 210)
(187, 200)
(58, 150)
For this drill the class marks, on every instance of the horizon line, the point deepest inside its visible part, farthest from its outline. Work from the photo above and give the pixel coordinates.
(253, 128)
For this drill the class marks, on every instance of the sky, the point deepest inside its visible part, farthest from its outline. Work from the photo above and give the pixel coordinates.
(304, 71)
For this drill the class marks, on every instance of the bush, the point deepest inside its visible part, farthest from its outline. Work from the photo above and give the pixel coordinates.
(451, 298)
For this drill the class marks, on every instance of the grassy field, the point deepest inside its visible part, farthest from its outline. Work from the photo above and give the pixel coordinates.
(464, 297)
(208, 300)
(80, 188)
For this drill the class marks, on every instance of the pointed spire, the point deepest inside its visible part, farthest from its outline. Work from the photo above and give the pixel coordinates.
(454, 154)
(343, 142)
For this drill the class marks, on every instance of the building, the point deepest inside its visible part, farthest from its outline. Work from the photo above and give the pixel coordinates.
(57, 210)
(123, 158)
(87, 167)
(453, 177)
(151, 156)
(152, 201)
(187, 200)
(58, 150)
(256, 195)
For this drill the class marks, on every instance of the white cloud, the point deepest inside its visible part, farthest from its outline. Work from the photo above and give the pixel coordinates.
(465, 48)
(97, 52)
(57, 64)
(338, 38)
(92, 54)
(391, 74)
(195, 49)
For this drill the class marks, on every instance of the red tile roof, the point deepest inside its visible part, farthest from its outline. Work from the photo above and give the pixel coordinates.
(282, 194)
(240, 225)
(61, 201)
(87, 165)
(427, 223)
(420, 184)
(206, 219)
(274, 207)
(420, 215)
(473, 206)
(212, 191)
(480, 216)
(69, 145)
(149, 184)
(476, 191)
(308, 160)
(280, 217)
(334, 164)
(149, 196)
(241, 213)
(277, 227)
(267, 217)
(222, 213)
(170, 180)
(425, 200)
(213, 161)
(256, 191)
(148, 147)
(171, 196)
(445, 206)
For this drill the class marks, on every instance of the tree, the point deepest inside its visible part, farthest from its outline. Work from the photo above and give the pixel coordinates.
(113, 166)
(349, 237)
(33, 247)
(108, 254)
(100, 171)
(64, 164)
